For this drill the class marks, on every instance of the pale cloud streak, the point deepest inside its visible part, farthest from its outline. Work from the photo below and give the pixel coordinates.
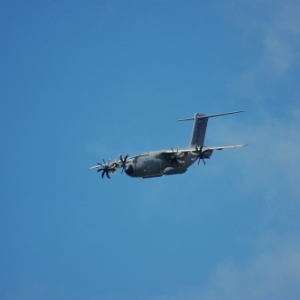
(278, 35)
(273, 274)
(268, 167)
(281, 38)
(271, 165)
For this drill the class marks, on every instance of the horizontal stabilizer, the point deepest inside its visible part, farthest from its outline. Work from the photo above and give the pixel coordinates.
(199, 116)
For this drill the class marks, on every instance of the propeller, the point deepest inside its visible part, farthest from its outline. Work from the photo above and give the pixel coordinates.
(107, 168)
(123, 162)
(202, 154)
(176, 158)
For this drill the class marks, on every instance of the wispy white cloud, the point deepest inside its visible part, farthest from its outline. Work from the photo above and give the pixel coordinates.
(269, 167)
(278, 35)
(273, 274)
(280, 38)
(278, 55)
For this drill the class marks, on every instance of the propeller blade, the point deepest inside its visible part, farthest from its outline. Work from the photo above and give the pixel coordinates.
(123, 162)
(201, 154)
(176, 158)
(110, 167)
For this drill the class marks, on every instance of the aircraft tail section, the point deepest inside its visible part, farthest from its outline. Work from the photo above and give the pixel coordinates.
(199, 130)
(200, 124)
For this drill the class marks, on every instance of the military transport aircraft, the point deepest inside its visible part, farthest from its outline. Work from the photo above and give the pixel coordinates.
(169, 161)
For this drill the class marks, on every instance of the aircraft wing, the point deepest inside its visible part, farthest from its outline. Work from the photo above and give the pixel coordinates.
(225, 147)
(205, 148)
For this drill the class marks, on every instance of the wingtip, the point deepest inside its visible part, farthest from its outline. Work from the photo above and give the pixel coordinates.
(94, 167)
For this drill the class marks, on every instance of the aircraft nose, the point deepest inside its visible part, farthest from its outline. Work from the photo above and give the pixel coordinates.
(129, 170)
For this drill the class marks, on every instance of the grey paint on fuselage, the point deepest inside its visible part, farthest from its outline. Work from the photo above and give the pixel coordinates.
(157, 163)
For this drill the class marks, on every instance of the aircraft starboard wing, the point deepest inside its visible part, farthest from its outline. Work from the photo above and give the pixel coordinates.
(226, 147)
(193, 149)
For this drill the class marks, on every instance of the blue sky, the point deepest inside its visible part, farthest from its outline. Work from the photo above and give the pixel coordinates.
(86, 80)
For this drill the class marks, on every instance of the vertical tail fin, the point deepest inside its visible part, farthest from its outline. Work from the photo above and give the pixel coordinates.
(199, 130)
(200, 124)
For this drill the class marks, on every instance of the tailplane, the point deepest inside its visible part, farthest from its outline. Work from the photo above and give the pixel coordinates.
(200, 124)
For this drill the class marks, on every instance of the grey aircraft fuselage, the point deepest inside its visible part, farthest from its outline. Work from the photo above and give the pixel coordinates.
(155, 164)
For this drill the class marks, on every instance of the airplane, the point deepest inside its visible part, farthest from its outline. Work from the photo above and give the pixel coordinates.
(169, 161)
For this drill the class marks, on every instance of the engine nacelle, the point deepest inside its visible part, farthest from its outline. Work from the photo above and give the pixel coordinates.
(129, 169)
(172, 171)
(207, 153)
